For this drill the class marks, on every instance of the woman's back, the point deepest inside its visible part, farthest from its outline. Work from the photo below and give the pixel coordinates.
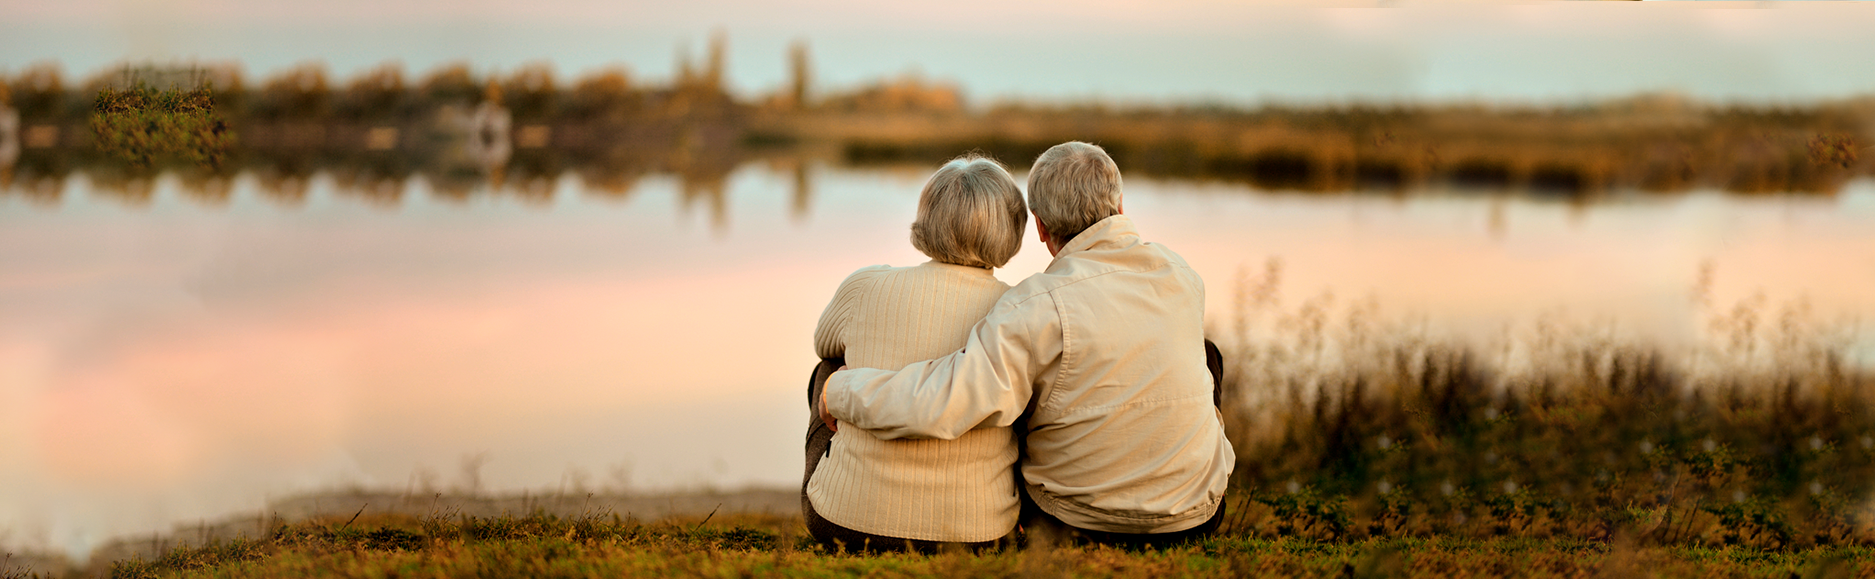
(934, 490)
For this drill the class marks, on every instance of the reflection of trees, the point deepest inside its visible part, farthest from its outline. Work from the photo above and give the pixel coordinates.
(803, 193)
(284, 185)
(378, 184)
(614, 183)
(207, 188)
(801, 186)
(454, 186)
(531, 177)
(704, 172)
(40, 190)
(131, 188)
(710, 190)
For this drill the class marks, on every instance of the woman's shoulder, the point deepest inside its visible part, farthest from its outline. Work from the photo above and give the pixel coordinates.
(866, 274)
(928, 274)
(861, 278)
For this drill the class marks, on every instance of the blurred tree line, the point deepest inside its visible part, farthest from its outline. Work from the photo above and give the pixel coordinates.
(463, 127)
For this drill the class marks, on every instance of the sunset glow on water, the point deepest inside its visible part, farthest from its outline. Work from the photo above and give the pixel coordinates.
(182, 360)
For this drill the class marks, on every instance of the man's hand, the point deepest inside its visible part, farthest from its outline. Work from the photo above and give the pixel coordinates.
(827, 417)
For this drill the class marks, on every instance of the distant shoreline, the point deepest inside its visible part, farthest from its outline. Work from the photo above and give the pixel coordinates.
(462, 129)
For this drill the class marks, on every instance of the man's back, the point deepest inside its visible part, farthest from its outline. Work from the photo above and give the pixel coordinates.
(1123, 434)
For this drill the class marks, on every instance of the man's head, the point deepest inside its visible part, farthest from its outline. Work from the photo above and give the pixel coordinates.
(1072, 186)
(970, 213)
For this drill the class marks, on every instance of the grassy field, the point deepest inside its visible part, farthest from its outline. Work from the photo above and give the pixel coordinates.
(1348, 427)
(605, 546)
(1367, 448)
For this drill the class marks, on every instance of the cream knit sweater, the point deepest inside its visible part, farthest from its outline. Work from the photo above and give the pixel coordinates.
(959, 490)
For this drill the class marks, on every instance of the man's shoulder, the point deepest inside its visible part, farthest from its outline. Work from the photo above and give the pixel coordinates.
(1171, 258)
(1082, 266)
(1091, 274)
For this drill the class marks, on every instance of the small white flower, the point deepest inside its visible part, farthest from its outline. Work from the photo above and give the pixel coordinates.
(1490, 457)
(1385, 487)
(1816, 488)
(1293, 487)
(1738, 496)
(1490, 414)
(1510, 487)
(1868, 442)
(1384, 442)
(1709, 445)
(1816, 443)
(1446, 488)
(1647, 447)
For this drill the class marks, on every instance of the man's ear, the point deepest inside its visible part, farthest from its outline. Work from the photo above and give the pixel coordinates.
(1120, 208)
(1041, 232)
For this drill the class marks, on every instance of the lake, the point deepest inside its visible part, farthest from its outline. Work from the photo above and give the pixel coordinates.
(188, 356)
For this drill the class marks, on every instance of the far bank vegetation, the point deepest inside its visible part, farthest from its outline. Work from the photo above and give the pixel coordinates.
(611, 126)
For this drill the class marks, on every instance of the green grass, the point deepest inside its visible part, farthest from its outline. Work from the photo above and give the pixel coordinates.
(546, 546)
(142, 126)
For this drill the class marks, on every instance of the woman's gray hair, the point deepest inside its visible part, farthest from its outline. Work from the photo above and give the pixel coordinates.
(1072, 186)
(970, 213)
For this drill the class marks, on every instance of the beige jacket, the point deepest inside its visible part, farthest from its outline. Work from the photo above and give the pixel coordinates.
(1106, 348)
(959, 490)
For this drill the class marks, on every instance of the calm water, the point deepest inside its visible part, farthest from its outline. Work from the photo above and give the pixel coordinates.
(177, 360)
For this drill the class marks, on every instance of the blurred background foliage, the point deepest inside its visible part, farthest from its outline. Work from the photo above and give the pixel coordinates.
(528, 125)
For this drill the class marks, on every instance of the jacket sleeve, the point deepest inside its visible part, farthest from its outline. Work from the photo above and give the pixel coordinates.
(986, 384)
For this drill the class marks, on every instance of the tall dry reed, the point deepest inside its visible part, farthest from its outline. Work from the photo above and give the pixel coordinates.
(1348, 426)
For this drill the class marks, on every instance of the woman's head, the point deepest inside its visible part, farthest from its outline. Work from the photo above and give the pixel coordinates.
(970, 213)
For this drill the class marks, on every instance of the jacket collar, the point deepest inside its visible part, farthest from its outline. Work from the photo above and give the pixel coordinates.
(1111, 233)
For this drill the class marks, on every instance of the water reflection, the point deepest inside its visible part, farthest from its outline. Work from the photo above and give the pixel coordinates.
(184, 346)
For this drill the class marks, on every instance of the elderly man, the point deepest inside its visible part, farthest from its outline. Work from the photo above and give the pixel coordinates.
(1101, 358)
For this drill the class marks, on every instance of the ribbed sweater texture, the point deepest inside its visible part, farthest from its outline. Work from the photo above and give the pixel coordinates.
(959, 490)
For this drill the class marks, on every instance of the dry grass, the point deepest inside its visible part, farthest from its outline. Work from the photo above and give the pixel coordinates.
(1761, 435)
(545, 546)
(1367, 449)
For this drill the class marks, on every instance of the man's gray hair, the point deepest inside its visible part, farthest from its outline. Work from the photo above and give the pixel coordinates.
(1072, 186)
(970, 213)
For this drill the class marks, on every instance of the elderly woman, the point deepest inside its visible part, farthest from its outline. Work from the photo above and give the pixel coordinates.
(861, 492)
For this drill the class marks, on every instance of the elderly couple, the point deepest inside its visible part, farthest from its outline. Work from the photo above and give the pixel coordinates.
(1080, 405)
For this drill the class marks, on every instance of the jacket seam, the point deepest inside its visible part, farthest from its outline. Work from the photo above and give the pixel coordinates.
(1065, 368)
